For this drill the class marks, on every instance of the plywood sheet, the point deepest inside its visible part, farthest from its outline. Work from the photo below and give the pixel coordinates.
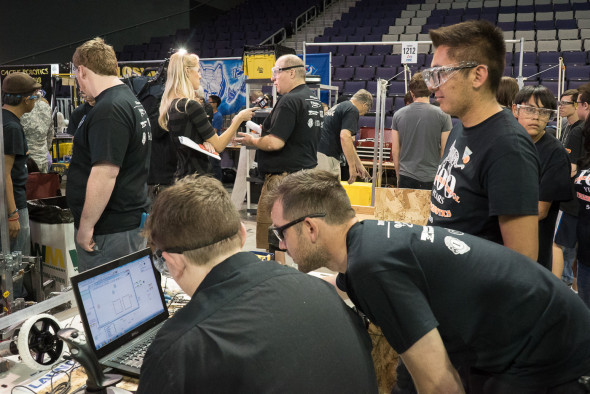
(403, 205)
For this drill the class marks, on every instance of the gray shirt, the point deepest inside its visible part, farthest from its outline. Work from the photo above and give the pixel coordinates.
(419, 126)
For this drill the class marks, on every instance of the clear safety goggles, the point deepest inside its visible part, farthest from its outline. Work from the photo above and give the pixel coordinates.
(437, 76)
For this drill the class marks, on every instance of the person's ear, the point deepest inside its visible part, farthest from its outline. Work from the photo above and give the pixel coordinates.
(481, 73)
(176, 263)
(311, 229)
(243, 233)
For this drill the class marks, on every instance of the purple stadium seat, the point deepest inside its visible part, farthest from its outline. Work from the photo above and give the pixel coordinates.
(551, 85)
(396, 88)
(545, 25)
(452, 19)
(367, 121)
(573, 58)
(345, 50)
(548, 73)
(561, 24)
(398, 103)
(576, 83)
(354, 61)
(385, 72)
(577, 73)
(364, 73)
(313, 49)
(508, 71)
(339, 84)
(382, 49)
(337, 60)
(506, 26)
(509, 57)
(372, 60)
(363, 49)
(351, 87)
(372, 87)
(343, 74)
(223, 52)
(524, 25)
(548, 58)
(391, 61)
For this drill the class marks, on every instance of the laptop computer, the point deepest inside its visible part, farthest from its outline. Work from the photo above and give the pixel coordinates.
(122, 307)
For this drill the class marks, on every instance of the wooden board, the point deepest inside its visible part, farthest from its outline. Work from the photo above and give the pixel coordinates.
(403, 205)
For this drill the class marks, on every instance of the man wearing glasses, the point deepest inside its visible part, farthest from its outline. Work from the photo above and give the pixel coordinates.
(107, 178)
(19, 94)
(251, 326)
(534, 107)
(564, 243)
(444, 300)
(487, 181)
(290, 135)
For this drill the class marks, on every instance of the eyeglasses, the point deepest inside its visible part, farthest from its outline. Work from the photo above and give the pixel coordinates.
(437, 76)
(563, 102)
(280, 231)
(545, 114)
(160, 263)
(277, 70)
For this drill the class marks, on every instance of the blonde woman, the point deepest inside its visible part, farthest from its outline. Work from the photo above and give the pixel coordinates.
(182, 115)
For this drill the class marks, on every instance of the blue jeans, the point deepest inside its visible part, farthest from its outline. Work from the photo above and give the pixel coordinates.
(584, 283)
(569, 254)
(21, 243)
(109, 247)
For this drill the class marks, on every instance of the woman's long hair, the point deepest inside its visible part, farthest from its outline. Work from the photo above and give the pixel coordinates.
(178, 84)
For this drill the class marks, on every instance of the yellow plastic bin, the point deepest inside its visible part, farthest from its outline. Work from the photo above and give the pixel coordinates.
(359, 193)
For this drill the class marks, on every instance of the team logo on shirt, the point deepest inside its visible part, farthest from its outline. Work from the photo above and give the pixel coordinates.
(445, 181)
(456, 245)
(466, 155)
(310, 123)
(427, 234)
(455, 232)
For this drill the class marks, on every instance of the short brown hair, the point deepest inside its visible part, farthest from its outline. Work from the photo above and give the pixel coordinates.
(478, 41)
(313, 191)
(584, 93)
(418, 86)
(196, 214)
(571, 92)
(507, 91)
(97, 56)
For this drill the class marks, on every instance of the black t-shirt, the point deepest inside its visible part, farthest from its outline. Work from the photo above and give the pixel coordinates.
(116, 131)
(574, 144)
(488, 170)
(343, 116)
(555, 186)
(77, 117)
(187, 118)
(496, 310)
(15, 144)
(297, 120)
(582, 182)
(259, 327)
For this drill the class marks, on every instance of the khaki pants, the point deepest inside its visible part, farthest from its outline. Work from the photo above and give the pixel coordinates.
(329, 164)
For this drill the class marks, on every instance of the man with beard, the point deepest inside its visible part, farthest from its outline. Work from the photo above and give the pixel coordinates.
(445, 300)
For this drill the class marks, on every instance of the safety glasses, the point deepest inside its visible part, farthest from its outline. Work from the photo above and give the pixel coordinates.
(544, 114)
(280, 231)
(437, 76)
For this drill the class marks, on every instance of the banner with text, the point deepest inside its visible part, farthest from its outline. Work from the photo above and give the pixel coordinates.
(40, 72)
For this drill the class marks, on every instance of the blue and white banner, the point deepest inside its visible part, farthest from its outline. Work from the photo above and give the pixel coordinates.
(319, 64)
(226, 79)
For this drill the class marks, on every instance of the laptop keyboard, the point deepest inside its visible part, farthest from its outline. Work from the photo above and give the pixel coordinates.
(133, 357)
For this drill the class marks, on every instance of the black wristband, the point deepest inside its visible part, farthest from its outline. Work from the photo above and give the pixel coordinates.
(13, 213)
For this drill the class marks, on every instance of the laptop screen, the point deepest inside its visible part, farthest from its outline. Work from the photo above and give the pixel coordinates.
(117, 298)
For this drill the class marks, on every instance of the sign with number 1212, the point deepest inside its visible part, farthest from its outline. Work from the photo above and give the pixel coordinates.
(409, 52)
